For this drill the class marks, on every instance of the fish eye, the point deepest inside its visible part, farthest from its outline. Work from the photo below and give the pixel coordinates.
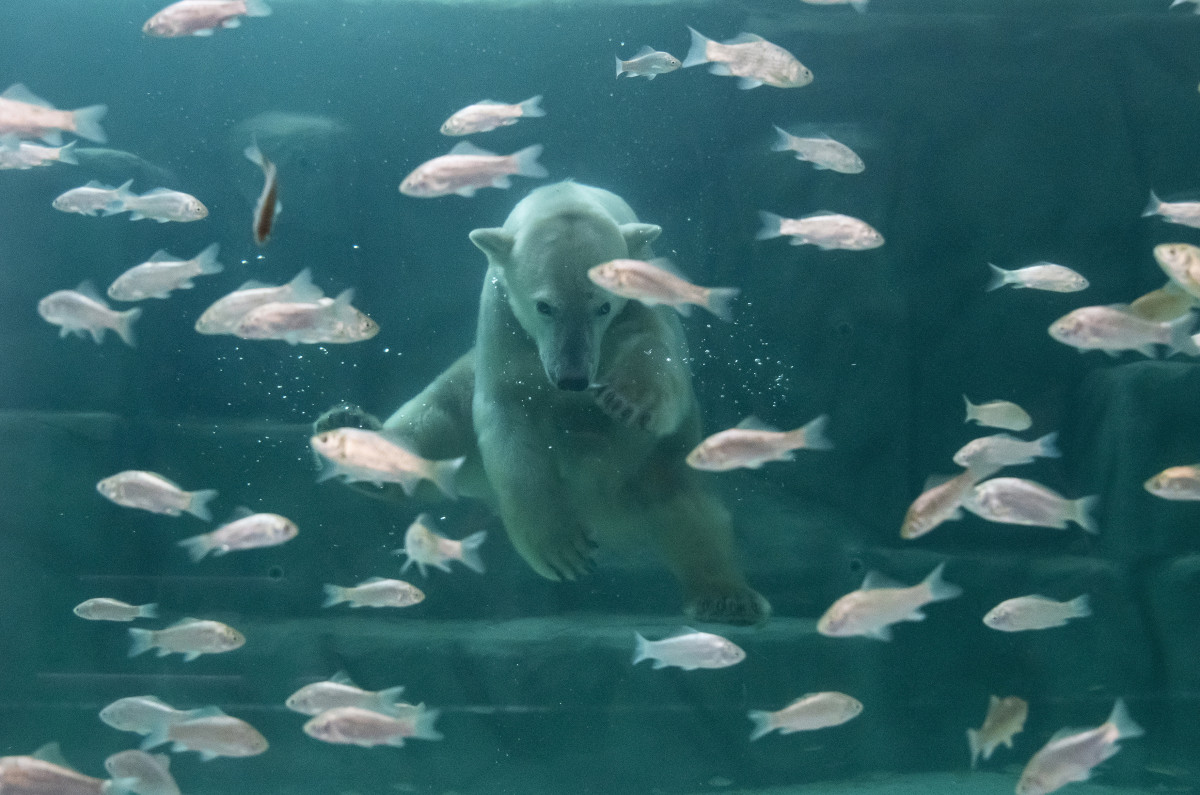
(544, 308)
(604, 309)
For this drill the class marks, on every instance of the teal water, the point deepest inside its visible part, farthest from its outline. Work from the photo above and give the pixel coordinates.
(1004, 132)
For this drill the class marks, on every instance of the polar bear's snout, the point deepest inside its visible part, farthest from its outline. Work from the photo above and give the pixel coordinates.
(571, 362)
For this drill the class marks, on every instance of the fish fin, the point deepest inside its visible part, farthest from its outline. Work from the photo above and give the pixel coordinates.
(257, 8)
(973, 744)
(527, 162)
(206, 260)
(744, 38)
(133, 215)
(423, 727)
(620, 65)
(1084, 506)
(1124, 723)
(784, 142)
(772, 225)
(18, 92)
(698, 51)
(646, 50)
(124, 329)
(719, 301)
(915, 615)
(971, 410)
(190, 655)
(470, 551)
(371, 580)
(1048, 446)
(933, 481)
(303, 289)
(51, 752)
(344, 300)
(198, 504)
(1000, 277)
(467, 191)
(1153, 207)
(255, 155)
(1081, 606)
(532, 107)
(334, 595)
(148, 610)
(52, 137)
(389, 697)
(197, 547)
(97, 334)
(444, 473)
(859, 5)
(751, 82)
(1181, 336)
(87, 123)
(753, 423)
(762, 723)
(87, 288)
(814, 434)
(203, 32)
(240, 512)
(719, 68)
(231, 22)
(342, 678)
(67, 155)
(207, 756)
(651, 76)
(468, 148)
(641, 649)
(327, 469)
(162, 255)
(874, 580)
(502, 182)
(939, 589)
(881, 633)
(156, 737)
(140, 640)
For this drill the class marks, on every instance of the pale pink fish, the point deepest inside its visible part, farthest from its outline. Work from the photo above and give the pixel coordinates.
(83, 310)
(1113, 329)
(366, 728)
(340, 691)
(488, 114)
(201, 17)
(211, 733)
(823, 152)
(941, 501)
(1038, 276)
(223, 316)
(1024, 502)
(871, 610)
(361, 456)
(104, 609)
(825, 230)
(753, 443)
(91, 198)
(162, 205)
(425, 547)
(689, 650)
(245, 531)
(1002, 450)
(1176, 483)
(1026, 613)
(190, 637)
(809, 712)
(656, 282)
(150, 491)
(998, 414)
(468, 168)
(152, 771)
(1070, 755)
(163, 273)
(141, 714)
(26, 115)
(326, 320)
(47, 773)
(1181, 262)
(374, 592)
(20, 155)
(1005, 719)
(751, 58)
(1185, 213)
(648, 63)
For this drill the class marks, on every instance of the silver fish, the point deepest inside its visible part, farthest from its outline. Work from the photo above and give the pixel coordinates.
(753, 443)
(162, 205)
(162, 273)
(375, 592)
(689, 650)
(1070, 755)
(1112, 329)
(488, 115)
(83, 310)
(152, 771)
(1185, 213)
(656, 282)
(190, 637)
(1024, 502)
(150, 491)
(1176, 483)
(467, 168)
(340, 691)
(366, 728)
(34, 775)
(245, 531)
(223, 316)
(1038, 276)
(212, 733)
(202, 17)
(751, 58)
(648, 63)
(1036, 612)
(998, 414)
(91, 198)
(941, 501)
(327, 320)
(141, 714)
(20, 155)
(825, 230)
(809, 712)
(1002, 450)
(823, 152)
(104, 609)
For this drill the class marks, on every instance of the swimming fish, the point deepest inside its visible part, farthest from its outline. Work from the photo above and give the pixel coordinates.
(753, 443)
(212, 733)
(223, 316)
(810, 711)
(366, 728)
(1113, 329)
(1176, 483)
(1002, 450)
(656, 282)
(91, 198)
(268, 205)
(340, 691)
(1005, 719)
(1036, 612)
(751, 58)
(425, 547)
(162, 273)
(1038, 276)
(152, 492)
(1181, 262)
(1070, 755)
(871, 610)
(468, 168)
(375, 592)
(857, 5)
(83, 310)
(26, 115)
(1185, 213)
(161, 205)
(648, 63)
(689, 650)
(47, 773)
(488, 115)
(998, 414)
(142, 714)
(942, 500)
(1167, 303)
(245, 530)
(105, 609)
(825, 230)
(326, 320)
(823, 152)
(362, 456)
(20, 155)
(202, 17)
(190, 637)
(1024, 502)
(152, 771)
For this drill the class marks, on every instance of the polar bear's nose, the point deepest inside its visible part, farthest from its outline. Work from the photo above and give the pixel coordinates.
(573, 383)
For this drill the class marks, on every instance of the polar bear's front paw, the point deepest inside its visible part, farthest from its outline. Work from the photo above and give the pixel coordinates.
(638, 407)
(559, 556)
(739, 605)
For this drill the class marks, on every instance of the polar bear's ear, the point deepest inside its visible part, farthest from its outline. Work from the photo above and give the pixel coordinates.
(494, 242)
(638, 236)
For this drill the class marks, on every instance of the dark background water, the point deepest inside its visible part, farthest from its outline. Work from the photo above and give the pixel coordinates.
(992, 132)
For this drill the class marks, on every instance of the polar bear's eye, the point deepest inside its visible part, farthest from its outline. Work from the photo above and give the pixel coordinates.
(544, 308)
(604, 309)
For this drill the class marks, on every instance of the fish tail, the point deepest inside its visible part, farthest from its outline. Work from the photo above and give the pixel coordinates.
(719, 301)
(973, 744)
(999, 278)
(784, 142)
(470, 551)
(1125, 724)
(698, 52)
(762, 723)
(641, 649)
(443, 474)
(198, 504)
(971, 414)
(1180, 336)
(1081, 606)
(124, 327)
(140, 641)
(423, 728)
(148, 611)
(87, 123)
(66, 155)
(334, 595)
(196, 546)
(257, 8)
(815, 435)
(255, 155)
(1153, 206)
(939, 589)
(206, 260)
(620, 65)
(527, 162)
(1048, 446)
(532, 107)
(772, 225)
(1084, 506)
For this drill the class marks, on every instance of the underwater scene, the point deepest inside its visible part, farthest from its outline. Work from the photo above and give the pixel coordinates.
(507, 397)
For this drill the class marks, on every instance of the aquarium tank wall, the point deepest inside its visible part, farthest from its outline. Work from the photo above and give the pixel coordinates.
(663, 527)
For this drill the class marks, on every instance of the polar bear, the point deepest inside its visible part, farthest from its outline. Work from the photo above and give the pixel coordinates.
(575, 409)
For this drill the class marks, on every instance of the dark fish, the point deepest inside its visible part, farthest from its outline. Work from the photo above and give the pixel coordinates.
(268, 201)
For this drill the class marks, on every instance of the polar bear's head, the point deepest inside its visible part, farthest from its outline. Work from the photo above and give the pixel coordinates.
(542, 268)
